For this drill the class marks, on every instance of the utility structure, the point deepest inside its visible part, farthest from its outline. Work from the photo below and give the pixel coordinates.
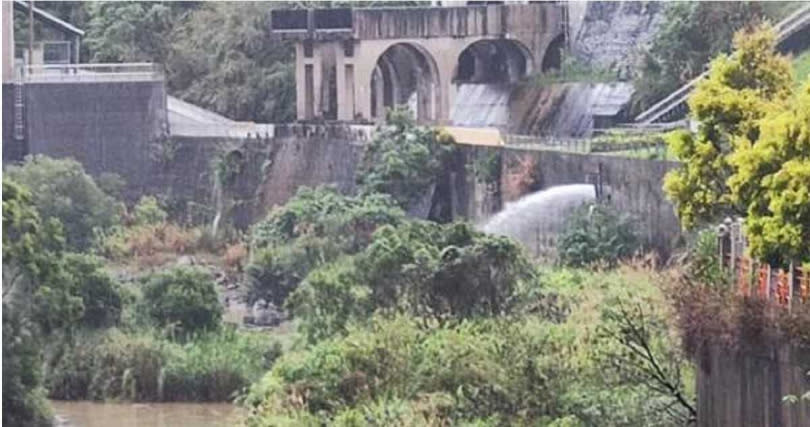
(353, 64)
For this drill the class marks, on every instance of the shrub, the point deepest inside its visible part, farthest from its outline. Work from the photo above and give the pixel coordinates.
(148, 212)
(24, 402)
(443, 272)
(235, 256)
(184, 299)
(143, 366)
(147, 240)
(62, 190)
(597, 233)
(313, 228)
(100, 294)
(404, 160)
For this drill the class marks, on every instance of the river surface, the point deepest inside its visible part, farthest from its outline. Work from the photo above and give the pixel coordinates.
(98, 414)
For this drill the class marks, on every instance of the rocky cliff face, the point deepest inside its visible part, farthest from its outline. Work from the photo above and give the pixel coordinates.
(614, 34)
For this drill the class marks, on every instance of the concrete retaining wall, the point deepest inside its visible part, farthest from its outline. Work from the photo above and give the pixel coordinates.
(107, 126)
(746, 388)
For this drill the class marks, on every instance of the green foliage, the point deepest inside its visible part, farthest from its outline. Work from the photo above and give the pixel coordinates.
(704, 264)
(749, 154)
(99, 293)
(24, 401)
(597, 233)
(60, 189)
(131, 31)
(691, 34)
(312, 228)
(143, 366)
(183, 299)
(519, 370)
(801, 66)
(573, 70)
(436, 271)
(224, 58)
(404, 160)
(148, 212)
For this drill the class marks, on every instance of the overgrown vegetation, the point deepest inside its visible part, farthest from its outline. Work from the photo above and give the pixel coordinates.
(750, 154)
(529, 368)
(597, 234)
(404, 161)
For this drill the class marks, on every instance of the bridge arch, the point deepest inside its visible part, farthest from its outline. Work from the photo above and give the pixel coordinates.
(552, 58)
(493, 61)
(406, 74)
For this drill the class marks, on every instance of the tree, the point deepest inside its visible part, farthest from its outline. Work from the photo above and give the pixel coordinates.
(404, 161)
(691, 34)
(314, 227)
(99, 293)
(184, 299)
(224, 58)
(597, 233)
(132, 31)
(749, 155)
(436, 272)
(61, 190)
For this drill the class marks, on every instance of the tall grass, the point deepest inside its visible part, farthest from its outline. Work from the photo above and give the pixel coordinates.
(144, 366)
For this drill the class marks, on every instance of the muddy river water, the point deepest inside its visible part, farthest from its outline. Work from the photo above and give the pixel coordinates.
(97, 414)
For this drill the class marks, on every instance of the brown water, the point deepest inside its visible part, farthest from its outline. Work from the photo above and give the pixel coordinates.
(97, 414)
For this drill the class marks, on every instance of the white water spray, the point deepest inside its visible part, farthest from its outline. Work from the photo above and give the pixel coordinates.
(540, 213)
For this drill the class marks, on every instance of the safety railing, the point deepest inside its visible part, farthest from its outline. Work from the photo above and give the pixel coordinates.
(143, 71)
(677, 99)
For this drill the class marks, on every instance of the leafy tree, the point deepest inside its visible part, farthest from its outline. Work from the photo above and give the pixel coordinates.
(36, 298)
(184, 299)
(60, 189)
(132, 31)
(749, 154)
(224, 58)
(148, 212)
(100, 294)
(595, 233)
(691, 34)
(312, 228)
(439, 272)
(404, 160)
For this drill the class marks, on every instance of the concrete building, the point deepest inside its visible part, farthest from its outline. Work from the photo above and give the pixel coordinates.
(352, 64)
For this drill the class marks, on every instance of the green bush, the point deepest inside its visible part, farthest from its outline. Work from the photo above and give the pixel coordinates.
(62, 190)
(143, 366)
(100, 294)
(313, 228)
(441, 272)
(520, 369)
(148, 212)
(597, 233)
(183, 299)
(24, 402)
(403, 160)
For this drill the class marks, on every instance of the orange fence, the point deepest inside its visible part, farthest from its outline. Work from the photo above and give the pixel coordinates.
(787, 287)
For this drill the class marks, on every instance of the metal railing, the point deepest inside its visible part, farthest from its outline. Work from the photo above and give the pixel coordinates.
(142, 71)
(660, 110)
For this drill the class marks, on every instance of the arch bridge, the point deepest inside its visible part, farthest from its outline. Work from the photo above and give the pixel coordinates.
(353, 64)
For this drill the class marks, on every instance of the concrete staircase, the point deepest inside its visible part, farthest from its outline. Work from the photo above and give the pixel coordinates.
(674, 106)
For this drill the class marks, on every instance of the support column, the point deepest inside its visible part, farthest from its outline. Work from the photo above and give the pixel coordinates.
(300, 83)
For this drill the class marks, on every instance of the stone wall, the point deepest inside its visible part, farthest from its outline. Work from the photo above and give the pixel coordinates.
(745, 387)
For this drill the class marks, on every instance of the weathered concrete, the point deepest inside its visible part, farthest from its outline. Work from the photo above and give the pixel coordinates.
(634, 186)
(351, 64)
(107, 126)
(745, 387)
